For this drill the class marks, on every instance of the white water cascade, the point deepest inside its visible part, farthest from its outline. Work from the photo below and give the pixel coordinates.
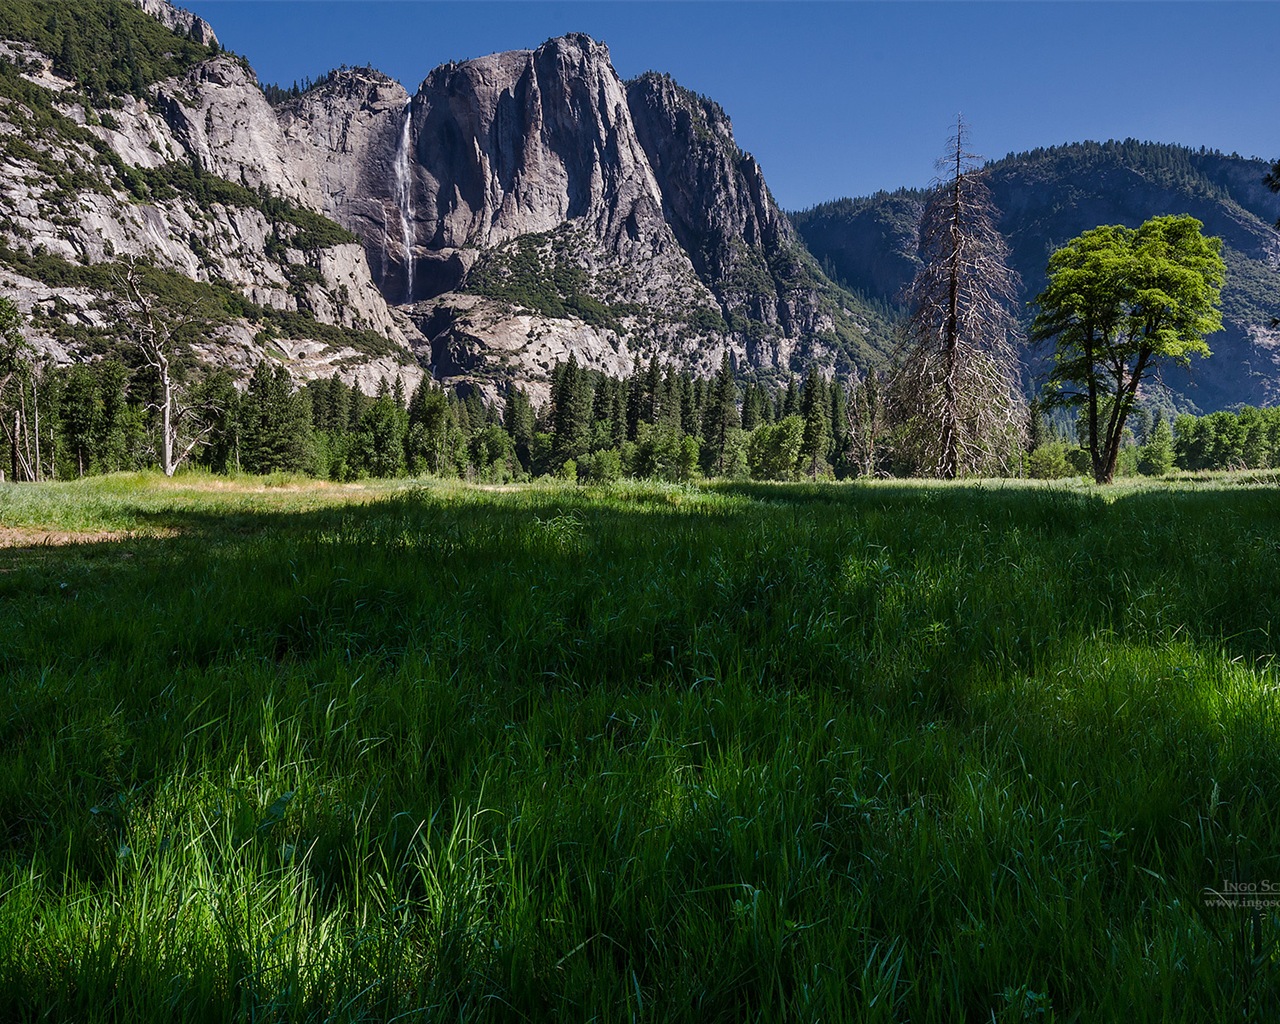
(404, 196)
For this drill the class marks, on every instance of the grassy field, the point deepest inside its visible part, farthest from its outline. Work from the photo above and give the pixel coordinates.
(426, 752)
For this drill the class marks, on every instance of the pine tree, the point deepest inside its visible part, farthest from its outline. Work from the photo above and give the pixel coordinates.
(719, 418)
(357, 402)
(275, 423)
(669, 407)
(652, 393)
(635, 400)
(338, 405)
(619, 416)
(790, 405)
(815, 410)
(517, 420)
(571, 416)
(752, 407)
(690, 419)
(1036, 432)
(839, 423)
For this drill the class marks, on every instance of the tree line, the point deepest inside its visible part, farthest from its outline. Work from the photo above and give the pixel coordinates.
(67, 421)
(660, 421)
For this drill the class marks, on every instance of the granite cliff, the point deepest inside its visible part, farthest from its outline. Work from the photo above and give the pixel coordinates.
(529, 205)
(517, 209)
(179, 162)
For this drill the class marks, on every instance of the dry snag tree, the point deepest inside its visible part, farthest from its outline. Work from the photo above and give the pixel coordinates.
(156, 332)
(16, 359)
(957, 384)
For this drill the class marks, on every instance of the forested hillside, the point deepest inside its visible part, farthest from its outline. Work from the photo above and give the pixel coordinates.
(1048, 196)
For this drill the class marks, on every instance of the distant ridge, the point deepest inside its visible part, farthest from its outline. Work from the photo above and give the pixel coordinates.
(1049, 196)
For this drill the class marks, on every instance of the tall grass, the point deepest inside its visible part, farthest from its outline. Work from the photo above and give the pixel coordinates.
(833, 753)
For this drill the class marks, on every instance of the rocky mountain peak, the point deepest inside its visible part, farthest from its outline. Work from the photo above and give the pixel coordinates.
(183, 22)
(521, 142)
(521, 207)
(532, 194)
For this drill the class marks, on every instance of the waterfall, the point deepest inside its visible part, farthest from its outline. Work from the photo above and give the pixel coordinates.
(404, 196)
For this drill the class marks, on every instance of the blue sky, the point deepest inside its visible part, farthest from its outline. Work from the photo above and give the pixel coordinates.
(844, 98)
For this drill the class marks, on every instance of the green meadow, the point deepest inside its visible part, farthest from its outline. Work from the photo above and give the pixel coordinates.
(273, 750)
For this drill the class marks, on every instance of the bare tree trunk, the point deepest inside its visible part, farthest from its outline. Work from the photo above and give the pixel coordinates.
(35, 408)
(950, 463)
(13, 447)
(166, 410)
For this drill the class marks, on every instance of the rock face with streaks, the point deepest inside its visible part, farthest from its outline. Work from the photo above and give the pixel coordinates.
(344, 135)
(720, 209)
(518, 209)
(534, 195)
(193, 175)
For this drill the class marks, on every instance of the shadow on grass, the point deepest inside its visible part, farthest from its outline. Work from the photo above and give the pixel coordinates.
(832, 680)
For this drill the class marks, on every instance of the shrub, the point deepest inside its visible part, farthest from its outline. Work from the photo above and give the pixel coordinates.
(1050, 462)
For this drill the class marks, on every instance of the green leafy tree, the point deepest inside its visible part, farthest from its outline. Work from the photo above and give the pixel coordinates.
(1256, 450)
(81, 415)
(1228, 438)
(604, 467)
(112, 440)
(435, 441)
(774, 450)
(664, 452)
(493, 453)
(47, 388)
(381, 439)
(1189, 442)
(1119, 303)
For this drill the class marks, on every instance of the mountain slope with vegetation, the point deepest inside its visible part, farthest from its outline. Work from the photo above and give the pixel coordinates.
(1049, 196)
(103, 170)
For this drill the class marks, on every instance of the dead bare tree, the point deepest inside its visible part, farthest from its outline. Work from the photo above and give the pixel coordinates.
(17, 374)
(155, 331)
(956, 388)
(865, 410)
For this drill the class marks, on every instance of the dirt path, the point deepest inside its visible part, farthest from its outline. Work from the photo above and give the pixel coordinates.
(27, 537)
